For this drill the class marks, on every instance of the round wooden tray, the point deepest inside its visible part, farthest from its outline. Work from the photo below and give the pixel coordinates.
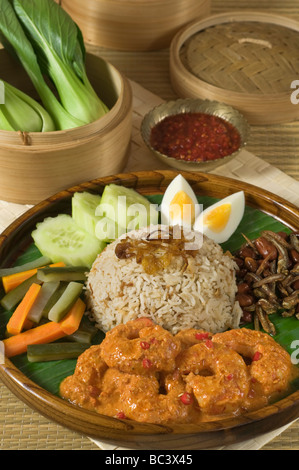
(129, 433)
(247, 60)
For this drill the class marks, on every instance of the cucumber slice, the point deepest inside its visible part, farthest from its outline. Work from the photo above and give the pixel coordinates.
(83, 210)
(61, 239)
(126, 207)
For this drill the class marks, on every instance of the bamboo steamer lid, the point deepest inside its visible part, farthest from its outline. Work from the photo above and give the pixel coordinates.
(133, 25)
(33, 166)
(247, 60)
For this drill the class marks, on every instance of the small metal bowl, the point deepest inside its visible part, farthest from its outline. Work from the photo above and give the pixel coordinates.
(179, 106)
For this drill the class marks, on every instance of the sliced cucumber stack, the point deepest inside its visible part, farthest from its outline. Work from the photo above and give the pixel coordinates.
(61, 239)
(83, 210)
(123, 209)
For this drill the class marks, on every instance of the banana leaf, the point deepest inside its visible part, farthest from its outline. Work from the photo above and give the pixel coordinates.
(50, 374)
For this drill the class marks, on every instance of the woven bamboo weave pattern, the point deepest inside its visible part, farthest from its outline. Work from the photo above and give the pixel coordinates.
(248, 57)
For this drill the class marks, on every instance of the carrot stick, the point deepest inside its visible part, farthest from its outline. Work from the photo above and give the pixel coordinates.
(46, 333)
(16, 321)
(13, 280)
(70, 323)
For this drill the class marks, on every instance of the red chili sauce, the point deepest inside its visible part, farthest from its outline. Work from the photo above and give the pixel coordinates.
(195, 137)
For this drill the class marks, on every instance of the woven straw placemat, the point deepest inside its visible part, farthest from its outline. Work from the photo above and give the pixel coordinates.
(26, 428)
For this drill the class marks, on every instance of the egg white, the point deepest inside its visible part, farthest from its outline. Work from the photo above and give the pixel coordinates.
(237, 202)
(178, 184)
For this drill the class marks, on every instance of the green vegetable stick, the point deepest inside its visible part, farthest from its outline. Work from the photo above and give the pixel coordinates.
(13, 297)
(55, 351)
(37, 263)
(65, 302)
(67, 273)
(44, 295)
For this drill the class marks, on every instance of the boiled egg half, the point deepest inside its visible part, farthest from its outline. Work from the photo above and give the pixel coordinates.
(179, 205)
(221, 220)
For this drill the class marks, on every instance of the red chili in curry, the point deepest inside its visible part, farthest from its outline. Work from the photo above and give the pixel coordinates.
(195, 137)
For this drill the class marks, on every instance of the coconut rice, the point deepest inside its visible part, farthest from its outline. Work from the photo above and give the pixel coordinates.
(199, 293)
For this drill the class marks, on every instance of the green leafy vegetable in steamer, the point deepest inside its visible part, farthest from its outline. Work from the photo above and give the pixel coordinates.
(21, 112)
(47, 41)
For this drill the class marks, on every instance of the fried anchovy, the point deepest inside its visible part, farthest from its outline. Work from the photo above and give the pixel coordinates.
(264, 287)
(291, 301)
(267, 325)
(281, 246)
(275, 236)
(294, 241)
(267, 306)
(288, 313)
(269, 279)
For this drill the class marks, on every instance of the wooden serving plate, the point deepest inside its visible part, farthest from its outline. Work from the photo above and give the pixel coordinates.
(14, 241)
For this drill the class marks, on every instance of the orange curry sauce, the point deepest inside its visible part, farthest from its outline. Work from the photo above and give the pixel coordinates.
(142, 372)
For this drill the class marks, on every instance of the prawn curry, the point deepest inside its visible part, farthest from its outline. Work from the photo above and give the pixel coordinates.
(142, 372)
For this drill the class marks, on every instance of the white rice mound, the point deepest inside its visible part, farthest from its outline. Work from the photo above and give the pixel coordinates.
(200, 296)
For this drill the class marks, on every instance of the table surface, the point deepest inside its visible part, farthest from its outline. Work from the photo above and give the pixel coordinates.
(277, 144)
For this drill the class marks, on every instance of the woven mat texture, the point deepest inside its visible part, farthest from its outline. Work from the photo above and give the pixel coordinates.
(234, 59)
(24, 429)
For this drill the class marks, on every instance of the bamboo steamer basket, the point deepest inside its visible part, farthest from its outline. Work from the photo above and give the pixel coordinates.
(133, 25)
(33, 166)
(246, 60)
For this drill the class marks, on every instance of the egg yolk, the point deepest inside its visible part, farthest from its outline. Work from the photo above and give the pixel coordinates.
(182, 207)
(217, 218)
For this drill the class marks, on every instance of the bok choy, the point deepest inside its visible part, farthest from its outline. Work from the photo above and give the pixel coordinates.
(48, 42)
(21, 112)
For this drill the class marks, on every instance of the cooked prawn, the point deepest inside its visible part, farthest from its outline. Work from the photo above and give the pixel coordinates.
(270, 365)
(215, 375)
(85, 384)
(140, 347)
(142, 372)
(192, 336)
(139, 397)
